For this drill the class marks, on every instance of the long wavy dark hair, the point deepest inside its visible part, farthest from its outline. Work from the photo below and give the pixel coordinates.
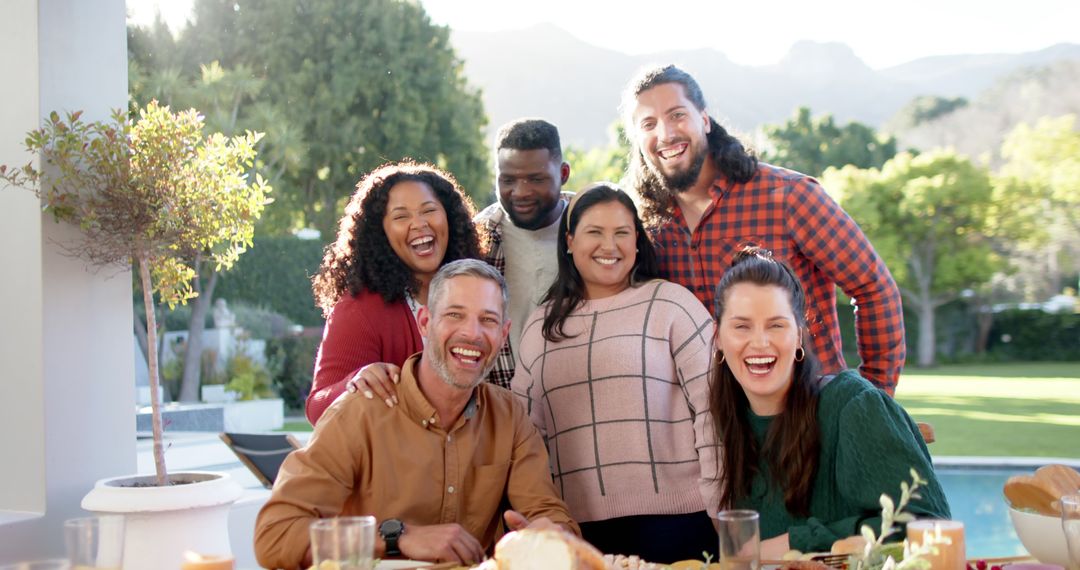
(731, 158)
(568, 291)
(361, 256)
(793, 441)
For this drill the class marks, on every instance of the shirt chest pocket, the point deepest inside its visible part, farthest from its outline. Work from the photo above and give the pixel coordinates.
(485, 486)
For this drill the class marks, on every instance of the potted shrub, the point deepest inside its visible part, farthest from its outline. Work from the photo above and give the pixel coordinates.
(154, 193)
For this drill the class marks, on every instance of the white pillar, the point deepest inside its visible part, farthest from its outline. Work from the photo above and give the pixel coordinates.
(66, 372)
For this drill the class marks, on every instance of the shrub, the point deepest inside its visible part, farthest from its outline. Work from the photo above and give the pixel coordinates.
(260, 322)
(292, 360)
(247, 378)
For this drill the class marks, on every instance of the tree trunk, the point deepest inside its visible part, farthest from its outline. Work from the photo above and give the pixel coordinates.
(140, 336)
(189, 385)
(152, 362)
(984, 319)
(927, 340)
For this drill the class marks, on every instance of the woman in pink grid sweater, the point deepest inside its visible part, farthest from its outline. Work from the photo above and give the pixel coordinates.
(613, 368)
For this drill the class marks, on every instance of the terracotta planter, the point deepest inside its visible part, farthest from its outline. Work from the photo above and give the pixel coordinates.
(163, 522)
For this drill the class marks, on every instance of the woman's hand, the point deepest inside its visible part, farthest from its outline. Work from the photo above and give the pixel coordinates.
(775, 547)
(377, 379)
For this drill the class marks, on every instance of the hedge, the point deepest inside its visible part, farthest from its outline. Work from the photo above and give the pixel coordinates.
(276, 273)
(1016, 334)
(1023, 335)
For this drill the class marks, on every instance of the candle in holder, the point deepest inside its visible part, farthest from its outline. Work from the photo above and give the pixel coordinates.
(193, 561)
(948, 539)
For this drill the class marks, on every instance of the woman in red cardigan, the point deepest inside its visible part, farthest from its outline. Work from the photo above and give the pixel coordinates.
(404, 221)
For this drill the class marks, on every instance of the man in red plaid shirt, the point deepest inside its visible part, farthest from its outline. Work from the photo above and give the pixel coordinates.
(705, 197)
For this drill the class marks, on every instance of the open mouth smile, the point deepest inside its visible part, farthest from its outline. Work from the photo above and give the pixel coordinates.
(467, 356)
(760, 365)
(673, 151)
(423, 246)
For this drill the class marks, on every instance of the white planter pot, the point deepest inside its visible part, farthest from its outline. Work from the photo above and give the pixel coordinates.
(216, 393)
(255, 415)
(163, 522)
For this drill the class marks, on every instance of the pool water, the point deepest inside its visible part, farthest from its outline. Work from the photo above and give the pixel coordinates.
(975, 497)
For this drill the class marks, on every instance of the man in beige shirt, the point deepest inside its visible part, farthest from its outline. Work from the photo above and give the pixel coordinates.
(436, 470)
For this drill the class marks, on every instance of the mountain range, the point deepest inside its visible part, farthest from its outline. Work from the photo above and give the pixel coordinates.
(545, 71)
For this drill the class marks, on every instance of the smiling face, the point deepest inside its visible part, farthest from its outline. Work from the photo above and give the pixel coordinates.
(670, 131)
(604, 247)
(758, 335)
(464, 330)
(529, 183)
(416, 227)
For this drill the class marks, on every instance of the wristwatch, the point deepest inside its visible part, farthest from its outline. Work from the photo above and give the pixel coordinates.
(391, 530)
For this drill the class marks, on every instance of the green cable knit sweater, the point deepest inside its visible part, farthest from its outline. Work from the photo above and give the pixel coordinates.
(868, 446)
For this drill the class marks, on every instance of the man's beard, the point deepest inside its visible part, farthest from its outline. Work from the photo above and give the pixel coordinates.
(680, 181)
(442, 368)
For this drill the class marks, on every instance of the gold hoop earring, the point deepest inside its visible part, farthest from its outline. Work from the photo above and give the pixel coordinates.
(721, 361)
(800, 354)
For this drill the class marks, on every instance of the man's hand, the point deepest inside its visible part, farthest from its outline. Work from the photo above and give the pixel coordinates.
(517, 521)
(377, 379)
(440, 543)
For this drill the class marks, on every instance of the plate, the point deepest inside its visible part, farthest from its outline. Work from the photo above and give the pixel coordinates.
(396, 564)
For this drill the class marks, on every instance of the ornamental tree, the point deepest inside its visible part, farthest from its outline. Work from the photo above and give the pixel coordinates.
(150, 192)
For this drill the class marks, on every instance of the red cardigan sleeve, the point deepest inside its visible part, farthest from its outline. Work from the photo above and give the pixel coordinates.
(361, 329)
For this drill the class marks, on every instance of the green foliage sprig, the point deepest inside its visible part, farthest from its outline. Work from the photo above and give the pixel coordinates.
(880, 556)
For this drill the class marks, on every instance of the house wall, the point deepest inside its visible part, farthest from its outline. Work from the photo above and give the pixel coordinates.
(67, 373)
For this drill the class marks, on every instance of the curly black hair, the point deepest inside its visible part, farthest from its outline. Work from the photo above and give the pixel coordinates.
(361, 256)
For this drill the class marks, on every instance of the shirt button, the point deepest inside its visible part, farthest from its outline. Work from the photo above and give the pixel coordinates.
(450, 489)
(447, 439)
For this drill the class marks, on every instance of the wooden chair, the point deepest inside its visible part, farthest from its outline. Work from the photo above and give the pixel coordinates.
(927, 432)
(262, 453)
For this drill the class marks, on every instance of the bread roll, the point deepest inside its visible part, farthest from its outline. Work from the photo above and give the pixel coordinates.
(547, 549)
(850, 545)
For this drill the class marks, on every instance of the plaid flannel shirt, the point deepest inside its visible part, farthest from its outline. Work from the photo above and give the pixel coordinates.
(790, 214)
(489, 223)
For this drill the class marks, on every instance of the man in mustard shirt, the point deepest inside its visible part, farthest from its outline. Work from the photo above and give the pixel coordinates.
(436, 469)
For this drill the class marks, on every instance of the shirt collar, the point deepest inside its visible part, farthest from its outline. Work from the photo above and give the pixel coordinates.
(417, 407)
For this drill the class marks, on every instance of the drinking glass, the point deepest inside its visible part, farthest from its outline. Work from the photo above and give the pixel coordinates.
(95, 542)
(1070, 524)
(55, 564)
(347, 541)
(740, 540)
(948, 538)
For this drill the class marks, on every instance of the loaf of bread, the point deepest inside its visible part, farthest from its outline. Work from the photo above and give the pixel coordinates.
(547, 549)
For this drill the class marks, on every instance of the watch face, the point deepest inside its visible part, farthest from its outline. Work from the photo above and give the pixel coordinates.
(391, 527)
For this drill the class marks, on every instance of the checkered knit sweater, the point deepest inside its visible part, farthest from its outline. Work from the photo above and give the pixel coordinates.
(623, 404)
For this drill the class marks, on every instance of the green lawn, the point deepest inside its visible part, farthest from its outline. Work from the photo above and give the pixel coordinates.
(296, 426)
(1014, 409)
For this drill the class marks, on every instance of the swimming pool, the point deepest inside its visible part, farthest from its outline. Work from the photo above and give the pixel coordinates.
(975, 497)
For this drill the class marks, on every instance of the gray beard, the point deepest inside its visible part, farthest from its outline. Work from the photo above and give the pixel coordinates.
(438, 363)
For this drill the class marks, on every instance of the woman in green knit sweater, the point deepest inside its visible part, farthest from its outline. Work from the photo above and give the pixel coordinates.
(811, 453)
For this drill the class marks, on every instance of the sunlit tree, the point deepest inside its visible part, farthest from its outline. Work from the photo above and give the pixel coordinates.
(928, 217)
(811, 144)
